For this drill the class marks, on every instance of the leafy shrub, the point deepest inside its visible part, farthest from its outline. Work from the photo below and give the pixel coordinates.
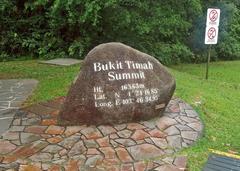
(229, 44)
(70, 28)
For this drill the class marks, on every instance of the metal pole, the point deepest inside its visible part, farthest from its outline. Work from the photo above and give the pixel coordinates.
(208, 61)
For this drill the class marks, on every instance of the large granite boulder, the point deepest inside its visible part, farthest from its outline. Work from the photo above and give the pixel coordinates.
(117, 84)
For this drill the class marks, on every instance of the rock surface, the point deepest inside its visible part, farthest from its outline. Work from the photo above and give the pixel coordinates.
(117, 84)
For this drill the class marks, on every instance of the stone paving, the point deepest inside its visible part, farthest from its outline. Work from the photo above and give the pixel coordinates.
(12, 94)
(35, 141)
(62, 61)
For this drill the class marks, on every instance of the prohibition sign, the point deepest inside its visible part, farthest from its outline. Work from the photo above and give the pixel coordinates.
(212, 33)
(213, 15)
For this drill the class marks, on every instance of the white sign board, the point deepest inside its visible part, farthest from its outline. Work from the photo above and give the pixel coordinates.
(211, 35)
(213, 17)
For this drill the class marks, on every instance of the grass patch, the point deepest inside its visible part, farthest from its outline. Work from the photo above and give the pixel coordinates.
(217, 100)
(53, 80)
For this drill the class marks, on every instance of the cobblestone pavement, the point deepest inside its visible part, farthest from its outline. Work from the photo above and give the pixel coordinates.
(35, 141)
(12, 94)
(62, 61)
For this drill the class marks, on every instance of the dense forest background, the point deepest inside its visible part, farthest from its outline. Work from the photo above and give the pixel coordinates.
(171, 30)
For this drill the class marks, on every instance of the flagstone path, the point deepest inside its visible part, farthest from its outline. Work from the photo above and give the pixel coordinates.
(62, 61)
(36, 142)
(12, 94)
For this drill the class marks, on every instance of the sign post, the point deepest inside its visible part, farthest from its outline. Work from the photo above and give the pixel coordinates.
(211, 33)
(208, 60)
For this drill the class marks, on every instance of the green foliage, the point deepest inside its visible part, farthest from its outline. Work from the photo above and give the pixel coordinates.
(173, 53)
(158, 28)
(229, 46)
(70, 28)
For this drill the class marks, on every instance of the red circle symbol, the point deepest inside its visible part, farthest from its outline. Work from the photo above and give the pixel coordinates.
(212, 33)
(213, 15)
